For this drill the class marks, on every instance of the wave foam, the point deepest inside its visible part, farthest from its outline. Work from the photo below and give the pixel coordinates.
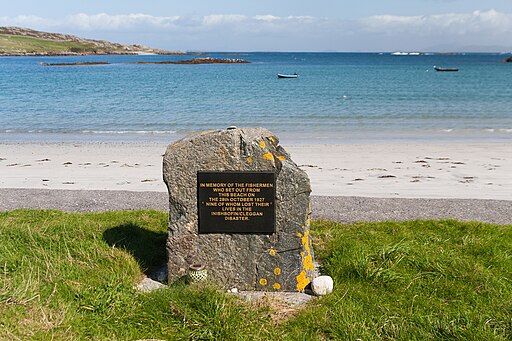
(104, 132)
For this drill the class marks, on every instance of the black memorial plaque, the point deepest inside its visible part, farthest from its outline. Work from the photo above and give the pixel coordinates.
(236, 202)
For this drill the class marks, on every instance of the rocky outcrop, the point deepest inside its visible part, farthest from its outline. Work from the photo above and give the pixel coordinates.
(207, 60)
(508, 60)
(184, 62)
(75, 64)
(278, 261)
(79, 46)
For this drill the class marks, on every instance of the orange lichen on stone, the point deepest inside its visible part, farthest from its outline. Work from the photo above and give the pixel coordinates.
(277, 271)
(249, 159)
(307, 262)
(268, 156)
(302, 281)
(307, 259)
(263, 282)
(282, 158)
(305, 239)
(262, 144)
(277, 286)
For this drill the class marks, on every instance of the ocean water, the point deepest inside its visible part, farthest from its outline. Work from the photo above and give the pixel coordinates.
(337, 97)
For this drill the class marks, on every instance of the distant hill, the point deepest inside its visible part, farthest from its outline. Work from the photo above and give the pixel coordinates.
(17, 41)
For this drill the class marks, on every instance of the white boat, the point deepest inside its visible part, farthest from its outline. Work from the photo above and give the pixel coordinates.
(283, 75)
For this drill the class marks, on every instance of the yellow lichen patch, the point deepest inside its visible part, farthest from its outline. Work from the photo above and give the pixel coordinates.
(249, 159)
(302, 281)
(282, 158)
(277, 271)
(268, 156)
(305, 238)
(277, 286)
(272, 252)
(262, 144)
(299, 234)
(307, 259)
(263, 282)
(307, 262)
(272, 139)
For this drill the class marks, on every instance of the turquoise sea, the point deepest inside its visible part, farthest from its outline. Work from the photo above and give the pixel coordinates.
(337, 97)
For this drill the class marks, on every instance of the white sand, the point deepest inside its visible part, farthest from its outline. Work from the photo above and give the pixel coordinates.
(431, 170)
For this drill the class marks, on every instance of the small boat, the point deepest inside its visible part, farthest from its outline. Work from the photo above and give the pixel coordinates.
(282, 75)
(444, 69)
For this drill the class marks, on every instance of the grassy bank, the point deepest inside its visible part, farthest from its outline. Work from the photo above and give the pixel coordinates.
(22, 44)
(71, 276)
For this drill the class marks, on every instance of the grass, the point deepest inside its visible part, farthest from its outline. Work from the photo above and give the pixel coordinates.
(71, 276)
(23, 44)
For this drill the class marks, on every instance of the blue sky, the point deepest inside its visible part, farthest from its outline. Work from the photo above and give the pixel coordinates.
(277, 25)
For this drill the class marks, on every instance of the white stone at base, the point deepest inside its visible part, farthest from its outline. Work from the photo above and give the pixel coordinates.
(322, 285)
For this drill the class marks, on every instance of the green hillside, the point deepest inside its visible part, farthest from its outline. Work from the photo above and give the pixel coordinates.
(15, 41)
(19, 44)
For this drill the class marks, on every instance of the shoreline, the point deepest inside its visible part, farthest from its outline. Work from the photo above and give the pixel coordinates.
(338, 209)
(433, 170)
(146, 137)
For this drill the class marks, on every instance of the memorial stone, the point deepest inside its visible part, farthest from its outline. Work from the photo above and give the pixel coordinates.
(240, 208)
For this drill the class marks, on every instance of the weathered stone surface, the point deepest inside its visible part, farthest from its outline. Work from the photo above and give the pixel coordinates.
(148, 285)
(282, 261)
(322, 285)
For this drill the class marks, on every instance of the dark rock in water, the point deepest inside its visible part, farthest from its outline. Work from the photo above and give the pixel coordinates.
(206, 60)
(75, 64)
(508, 60)
(209, 60)
(282, 261)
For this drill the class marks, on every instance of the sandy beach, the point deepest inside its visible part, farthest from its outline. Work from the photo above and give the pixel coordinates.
(430, 170)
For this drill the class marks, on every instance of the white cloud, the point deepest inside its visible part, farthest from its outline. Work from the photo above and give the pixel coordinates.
(268, 18)
(223, 19)
(103, 21)
(270, 32)
(458, 24)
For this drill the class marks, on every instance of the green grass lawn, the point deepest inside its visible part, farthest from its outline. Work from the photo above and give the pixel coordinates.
(70, 276)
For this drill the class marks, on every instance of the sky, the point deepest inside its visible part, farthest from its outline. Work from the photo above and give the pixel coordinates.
(276, 25)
